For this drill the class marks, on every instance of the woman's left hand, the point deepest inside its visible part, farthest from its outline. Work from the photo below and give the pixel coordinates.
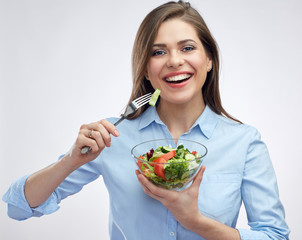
(182, 204)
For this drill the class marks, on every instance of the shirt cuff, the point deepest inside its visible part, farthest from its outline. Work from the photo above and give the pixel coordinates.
(18, 207)
(247, 234)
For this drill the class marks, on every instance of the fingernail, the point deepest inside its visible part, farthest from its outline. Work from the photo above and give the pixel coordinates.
(116, 133)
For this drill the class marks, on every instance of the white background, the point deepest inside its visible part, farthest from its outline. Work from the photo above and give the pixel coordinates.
(67, 62)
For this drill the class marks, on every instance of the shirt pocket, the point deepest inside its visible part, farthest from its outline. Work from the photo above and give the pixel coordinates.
(219, 194)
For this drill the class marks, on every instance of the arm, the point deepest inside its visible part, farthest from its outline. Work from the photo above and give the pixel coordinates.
(41, 184)
(31, 192)
(18, 207)
(260, 195)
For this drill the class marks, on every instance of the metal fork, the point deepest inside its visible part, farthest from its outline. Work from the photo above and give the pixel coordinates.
(131, 108)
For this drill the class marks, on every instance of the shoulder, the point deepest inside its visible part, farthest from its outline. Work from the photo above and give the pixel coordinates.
(126, 125)
(230, 126)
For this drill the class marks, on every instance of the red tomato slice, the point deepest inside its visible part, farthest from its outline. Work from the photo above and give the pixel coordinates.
(169, 155)
(159, 168)
(140, 163)
(166, 156)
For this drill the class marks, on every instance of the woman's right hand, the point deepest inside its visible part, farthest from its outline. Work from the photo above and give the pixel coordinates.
(95, 135)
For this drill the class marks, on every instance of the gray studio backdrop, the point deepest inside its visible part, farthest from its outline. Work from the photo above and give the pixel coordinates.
(65, 63)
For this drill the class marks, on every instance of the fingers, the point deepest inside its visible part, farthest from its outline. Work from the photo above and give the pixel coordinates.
(109, 127)
(97, 135)
(149, 188)
(101, 135)
(198, 178)
(163, 194)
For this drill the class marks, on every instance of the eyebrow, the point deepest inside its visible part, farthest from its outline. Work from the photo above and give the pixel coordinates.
(178, 43)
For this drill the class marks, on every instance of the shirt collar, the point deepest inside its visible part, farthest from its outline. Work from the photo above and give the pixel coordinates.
(207, 121)
(149, 116)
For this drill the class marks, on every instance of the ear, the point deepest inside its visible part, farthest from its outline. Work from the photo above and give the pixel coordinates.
(209, 65)
(147, 75)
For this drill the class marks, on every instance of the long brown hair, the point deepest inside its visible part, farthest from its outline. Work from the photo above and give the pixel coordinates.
(143, 47)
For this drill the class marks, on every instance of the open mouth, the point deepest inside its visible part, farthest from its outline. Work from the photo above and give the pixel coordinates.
(178, 78)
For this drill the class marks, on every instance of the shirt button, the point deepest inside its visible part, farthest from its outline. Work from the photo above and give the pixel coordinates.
(172, 234)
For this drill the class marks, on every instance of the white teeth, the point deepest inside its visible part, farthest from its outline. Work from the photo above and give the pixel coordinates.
(178, 77)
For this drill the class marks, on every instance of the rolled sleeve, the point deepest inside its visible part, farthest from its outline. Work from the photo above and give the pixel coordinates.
(246, 234)
(17, 206)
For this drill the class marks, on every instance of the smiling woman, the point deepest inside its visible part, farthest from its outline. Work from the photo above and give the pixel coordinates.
(175, 52)
(153, 40)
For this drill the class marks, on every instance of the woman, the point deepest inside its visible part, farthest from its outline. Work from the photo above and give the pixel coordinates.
(173, 51)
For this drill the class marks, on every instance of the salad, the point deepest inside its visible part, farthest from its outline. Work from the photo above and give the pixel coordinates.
(169, 167)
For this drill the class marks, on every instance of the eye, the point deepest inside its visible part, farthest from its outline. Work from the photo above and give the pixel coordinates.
(158, 52)
(188, 48)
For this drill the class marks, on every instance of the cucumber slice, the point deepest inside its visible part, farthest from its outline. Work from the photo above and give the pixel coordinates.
(189, 156)
(166, 149)
(154, 97)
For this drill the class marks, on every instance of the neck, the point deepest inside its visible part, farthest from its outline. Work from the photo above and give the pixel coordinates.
(179, 118)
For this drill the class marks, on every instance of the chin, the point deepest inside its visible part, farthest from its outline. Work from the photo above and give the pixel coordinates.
(181, 100)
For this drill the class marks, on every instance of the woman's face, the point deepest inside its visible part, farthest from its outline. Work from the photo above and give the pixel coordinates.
(179, 64)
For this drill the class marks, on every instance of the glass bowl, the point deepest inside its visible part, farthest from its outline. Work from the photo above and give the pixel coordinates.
(168, 165)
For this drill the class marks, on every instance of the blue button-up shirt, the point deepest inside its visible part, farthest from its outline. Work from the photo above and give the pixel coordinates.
(238, 169)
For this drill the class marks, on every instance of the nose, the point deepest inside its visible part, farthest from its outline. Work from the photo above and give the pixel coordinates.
(175, 60)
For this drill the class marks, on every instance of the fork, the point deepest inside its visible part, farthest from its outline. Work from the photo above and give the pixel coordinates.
(131, 108)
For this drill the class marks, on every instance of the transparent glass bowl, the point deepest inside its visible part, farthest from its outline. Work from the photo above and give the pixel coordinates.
(176, 175)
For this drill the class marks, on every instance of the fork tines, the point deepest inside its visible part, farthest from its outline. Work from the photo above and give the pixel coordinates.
(142, 100)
